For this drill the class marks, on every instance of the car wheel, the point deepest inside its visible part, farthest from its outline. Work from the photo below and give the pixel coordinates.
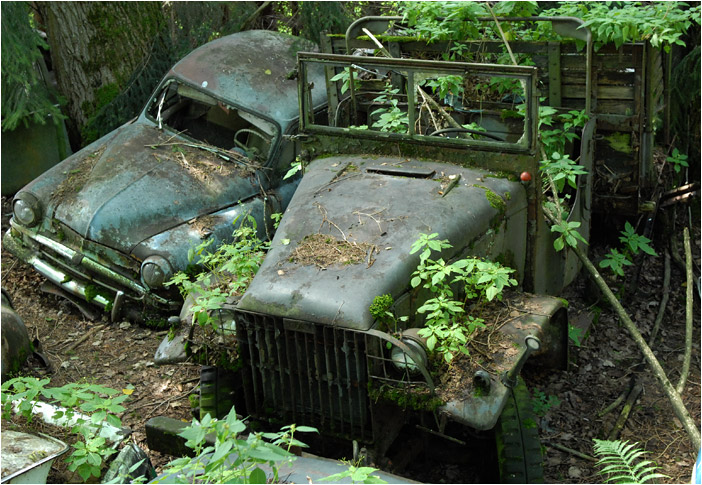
(517, 436)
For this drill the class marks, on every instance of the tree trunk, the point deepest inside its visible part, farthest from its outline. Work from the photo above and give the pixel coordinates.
(95, 49)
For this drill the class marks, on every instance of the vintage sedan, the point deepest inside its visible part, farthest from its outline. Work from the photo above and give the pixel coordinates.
(112, 223)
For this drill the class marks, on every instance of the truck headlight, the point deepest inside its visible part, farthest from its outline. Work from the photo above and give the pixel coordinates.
(404, 361)
(155, 271)
(26, 209)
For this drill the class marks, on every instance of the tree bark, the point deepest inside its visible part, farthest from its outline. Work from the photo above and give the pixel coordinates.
(95, 48)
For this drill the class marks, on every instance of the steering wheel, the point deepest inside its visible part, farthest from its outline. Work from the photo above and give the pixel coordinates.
(467, 130)
(251, 132)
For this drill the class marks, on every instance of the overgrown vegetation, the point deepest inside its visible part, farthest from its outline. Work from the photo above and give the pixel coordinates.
(632, 244)
(356, 473)
(661, 23)
(224, 272)
(234, 457)
(86, 408)
(447, 325)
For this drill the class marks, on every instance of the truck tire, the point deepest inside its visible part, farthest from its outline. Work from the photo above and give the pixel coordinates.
(517, 436)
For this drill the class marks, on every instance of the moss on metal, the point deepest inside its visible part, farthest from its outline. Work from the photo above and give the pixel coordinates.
(416, 400)
(620, 142)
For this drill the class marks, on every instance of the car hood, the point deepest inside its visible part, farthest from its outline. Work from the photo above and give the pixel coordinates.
(138, 183)
(383, 204)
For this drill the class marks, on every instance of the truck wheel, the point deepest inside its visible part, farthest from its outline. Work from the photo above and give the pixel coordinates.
(517, 436)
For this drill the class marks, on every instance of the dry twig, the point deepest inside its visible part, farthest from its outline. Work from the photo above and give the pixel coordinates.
(84, 338)
(626, 410)
(573, 452)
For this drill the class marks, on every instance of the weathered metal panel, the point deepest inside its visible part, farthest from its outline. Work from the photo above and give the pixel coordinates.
(341, 294)
(270, 57)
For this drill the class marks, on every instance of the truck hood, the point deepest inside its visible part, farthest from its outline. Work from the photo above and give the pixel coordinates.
(383, 204)
(139, 184)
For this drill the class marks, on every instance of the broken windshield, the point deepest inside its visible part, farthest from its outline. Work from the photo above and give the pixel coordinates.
(204, 119)
(434, 102)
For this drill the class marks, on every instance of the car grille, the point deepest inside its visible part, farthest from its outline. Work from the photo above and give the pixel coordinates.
(305, 373)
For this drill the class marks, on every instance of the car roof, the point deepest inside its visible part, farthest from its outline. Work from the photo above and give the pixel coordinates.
(253, 69)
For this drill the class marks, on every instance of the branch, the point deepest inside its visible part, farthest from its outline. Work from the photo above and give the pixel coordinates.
(626, 410)
(681, 412)
(502, 34)
(425, 96)
(252, 18)
(664, 299)
(688, 313)
(84, 338)
(570, 450)
(614, 404)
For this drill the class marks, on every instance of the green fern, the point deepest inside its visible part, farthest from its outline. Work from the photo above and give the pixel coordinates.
(618, 459)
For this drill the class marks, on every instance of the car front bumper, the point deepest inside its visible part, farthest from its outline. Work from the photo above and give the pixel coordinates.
(79, 274)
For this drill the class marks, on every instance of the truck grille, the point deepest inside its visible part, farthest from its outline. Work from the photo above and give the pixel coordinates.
(305, 373)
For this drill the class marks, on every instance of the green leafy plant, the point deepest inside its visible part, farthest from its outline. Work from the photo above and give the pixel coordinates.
(446, 85)
(635, 242)
(381, 306)
(542, 403)
(475, 127)
(345, 78)
(458, 21)
(26, 97)
(677, 160)
(660, 23)
(443, 329)
(88, 456)
(505, 85)
(390, 117)
(620, 22)
(87, 407)
(357, 474)
(562, 170)
(26, 391)
(632, 243)
(295, 167)
(447, 328)
(226, 271)
(563, 128)
(575, 334)
(615, 261)
(569, 235)
(232, 458)
(380, 310)
(276, 216)
(621, 462)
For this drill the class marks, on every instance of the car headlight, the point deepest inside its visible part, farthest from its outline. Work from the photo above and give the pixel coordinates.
(404, 361)
(155, 271)
(26, 209)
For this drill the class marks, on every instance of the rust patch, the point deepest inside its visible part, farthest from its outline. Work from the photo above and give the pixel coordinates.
(324, 250)
(77, 177)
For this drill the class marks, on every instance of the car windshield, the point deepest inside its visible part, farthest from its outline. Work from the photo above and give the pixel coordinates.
(204, 119)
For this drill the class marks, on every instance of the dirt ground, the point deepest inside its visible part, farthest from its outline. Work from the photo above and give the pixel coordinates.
(570, 402)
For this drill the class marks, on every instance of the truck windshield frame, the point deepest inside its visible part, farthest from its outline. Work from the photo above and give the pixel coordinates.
(347, 79)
